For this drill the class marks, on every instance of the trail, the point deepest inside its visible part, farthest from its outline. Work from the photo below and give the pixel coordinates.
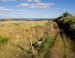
(63, 46)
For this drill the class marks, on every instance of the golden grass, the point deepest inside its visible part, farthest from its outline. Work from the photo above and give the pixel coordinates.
(18, 33)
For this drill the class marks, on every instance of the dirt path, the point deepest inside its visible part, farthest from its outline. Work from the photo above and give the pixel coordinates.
(62, 47)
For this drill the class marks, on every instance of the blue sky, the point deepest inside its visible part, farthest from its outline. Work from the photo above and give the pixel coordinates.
(35, 8)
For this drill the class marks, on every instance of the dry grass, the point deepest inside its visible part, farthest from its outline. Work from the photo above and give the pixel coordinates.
(18, 45)
(18, 33)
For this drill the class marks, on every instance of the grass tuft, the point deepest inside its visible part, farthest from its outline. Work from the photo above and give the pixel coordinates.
(3, 39)
(45, 46)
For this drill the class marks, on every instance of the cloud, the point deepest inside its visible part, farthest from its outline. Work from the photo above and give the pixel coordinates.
(22, 10)
(61, 9)
(30, 0)
(16, 0)
(21, 14)
(23, 4)
(37, 5)
(34, 0)
(5, 10)
(7, 0)
(44, 5)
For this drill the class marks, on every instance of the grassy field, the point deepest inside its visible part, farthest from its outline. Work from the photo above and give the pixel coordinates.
(15, 40)
(15, 34)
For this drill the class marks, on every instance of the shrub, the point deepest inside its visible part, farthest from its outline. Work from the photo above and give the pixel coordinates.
(3, 39)
(45, 46)
(66, 14)
(46, 43)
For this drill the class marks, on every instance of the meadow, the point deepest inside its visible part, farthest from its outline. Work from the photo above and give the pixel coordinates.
(14, 37)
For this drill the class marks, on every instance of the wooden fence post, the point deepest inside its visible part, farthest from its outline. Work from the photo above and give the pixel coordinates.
(33, 53)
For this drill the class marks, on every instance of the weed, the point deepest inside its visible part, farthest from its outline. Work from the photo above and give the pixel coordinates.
(45, 46)
(3, 39)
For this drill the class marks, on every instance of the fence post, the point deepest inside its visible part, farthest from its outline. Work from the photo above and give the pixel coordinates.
(31, 47)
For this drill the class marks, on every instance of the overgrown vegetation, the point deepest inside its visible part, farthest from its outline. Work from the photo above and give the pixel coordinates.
(44, 47)
(20, 36)
(67, 23)
(45, 44)
(3, 39)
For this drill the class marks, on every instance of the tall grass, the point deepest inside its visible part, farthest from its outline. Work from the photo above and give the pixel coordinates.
(3, 39)
(44, 47)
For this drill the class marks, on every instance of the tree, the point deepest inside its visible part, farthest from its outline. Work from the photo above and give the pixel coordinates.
(66, 14)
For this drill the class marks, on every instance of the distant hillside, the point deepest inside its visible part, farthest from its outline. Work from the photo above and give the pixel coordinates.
(25, 19)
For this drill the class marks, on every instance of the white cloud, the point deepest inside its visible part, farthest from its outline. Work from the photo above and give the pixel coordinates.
(37, 5)
(22, 10)
(25, 0)
(44, 5)
(21, 14)
(29, 0)
(5, 10)
(23, 4)
(34, 0)
(7, 0)
(37, 0)
(61, 9)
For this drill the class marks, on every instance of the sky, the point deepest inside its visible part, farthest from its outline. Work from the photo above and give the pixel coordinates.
(35, 8)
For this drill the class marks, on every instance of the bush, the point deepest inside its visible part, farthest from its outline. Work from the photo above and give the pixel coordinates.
(46, 43)
(45, 46)
(3, 39)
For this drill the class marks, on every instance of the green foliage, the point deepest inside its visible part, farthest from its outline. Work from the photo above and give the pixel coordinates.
(45, 46)
(67, 18)
(70, 20)
(66, 14)
(63, 16)
(67, 23)
(3, 39)
(45, 43)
